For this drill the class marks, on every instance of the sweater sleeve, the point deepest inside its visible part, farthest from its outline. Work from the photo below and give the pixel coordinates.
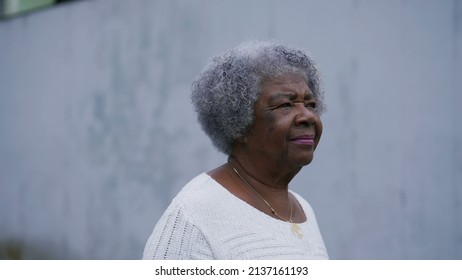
(176, 238)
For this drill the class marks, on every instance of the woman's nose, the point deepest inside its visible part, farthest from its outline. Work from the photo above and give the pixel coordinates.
(305, 116)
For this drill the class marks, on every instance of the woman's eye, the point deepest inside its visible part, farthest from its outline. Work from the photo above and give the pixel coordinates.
(285, 105)
(311, 105)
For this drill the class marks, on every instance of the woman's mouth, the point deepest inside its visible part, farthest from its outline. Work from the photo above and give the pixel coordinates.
(303, 140)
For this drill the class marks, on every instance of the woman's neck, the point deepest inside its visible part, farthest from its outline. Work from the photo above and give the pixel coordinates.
(262, 176)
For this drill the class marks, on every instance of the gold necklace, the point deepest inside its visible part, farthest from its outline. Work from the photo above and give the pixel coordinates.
(293, 226)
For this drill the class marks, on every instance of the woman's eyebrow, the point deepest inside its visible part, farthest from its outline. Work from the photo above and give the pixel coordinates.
(283, 95)
(309, 95)
(291, 96)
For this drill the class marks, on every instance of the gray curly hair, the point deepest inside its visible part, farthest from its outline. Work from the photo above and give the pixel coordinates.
(225, 93)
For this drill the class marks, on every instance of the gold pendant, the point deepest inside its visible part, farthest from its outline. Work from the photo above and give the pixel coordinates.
(296, 230)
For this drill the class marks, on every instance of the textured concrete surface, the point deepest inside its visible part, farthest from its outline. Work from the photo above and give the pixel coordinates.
(97, 133)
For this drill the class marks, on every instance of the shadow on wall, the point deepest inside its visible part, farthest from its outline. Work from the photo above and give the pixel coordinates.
(16, 250)
(10, 250)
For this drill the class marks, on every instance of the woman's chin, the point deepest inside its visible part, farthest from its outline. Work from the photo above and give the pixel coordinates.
(304, 161)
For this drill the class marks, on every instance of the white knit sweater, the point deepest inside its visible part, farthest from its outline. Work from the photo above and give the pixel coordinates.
(206, 221)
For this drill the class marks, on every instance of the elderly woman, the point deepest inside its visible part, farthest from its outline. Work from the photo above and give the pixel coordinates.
(260, 104)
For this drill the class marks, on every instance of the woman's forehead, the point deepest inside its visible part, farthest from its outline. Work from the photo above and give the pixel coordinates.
(286, 85)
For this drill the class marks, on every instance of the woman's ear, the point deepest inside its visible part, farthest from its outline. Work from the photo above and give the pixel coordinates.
(241, 140)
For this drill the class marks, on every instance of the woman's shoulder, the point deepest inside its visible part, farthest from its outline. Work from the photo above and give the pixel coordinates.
(199, 194)
(197, 188)
(303, 202)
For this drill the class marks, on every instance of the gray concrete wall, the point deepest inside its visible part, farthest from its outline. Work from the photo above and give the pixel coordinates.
(97, 133)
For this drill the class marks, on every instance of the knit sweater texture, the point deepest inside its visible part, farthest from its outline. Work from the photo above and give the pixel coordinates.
(206, 221)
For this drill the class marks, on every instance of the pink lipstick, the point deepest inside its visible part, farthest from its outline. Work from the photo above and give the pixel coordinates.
(303, 140)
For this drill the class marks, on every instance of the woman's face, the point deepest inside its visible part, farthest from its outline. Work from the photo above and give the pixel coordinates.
(287, 128)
